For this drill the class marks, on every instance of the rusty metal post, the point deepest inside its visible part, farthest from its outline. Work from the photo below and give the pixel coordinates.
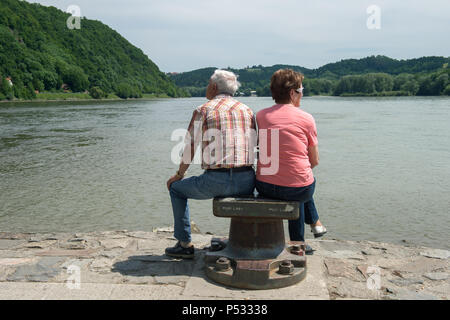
(255, 253)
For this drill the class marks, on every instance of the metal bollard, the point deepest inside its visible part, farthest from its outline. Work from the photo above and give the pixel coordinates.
(255, 255)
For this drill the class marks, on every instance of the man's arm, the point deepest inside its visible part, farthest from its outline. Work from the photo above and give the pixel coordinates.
(191, 143)
(313, 155)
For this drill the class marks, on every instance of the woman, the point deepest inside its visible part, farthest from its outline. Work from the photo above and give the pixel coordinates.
(285, 164)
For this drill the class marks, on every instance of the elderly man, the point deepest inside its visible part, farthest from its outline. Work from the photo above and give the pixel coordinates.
(226, 129)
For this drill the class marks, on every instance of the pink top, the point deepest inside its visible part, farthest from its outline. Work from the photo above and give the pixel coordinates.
(284, 160)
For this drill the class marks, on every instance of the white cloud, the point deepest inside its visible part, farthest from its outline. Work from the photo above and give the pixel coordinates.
(180, 35)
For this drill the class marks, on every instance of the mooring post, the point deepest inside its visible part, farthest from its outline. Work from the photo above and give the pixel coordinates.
(255, 255)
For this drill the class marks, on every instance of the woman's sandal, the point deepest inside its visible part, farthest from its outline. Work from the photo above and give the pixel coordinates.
(318, 231)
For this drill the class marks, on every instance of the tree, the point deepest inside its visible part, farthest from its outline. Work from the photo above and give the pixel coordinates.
(125, 91)
(411, 86)
(75, 78)
(440, 83)
(97, 93)
(6, 90)
(447, 90)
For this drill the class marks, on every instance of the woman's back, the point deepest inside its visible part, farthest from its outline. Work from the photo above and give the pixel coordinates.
(297, 132)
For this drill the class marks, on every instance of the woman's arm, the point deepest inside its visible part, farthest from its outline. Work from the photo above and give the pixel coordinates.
(313, 155)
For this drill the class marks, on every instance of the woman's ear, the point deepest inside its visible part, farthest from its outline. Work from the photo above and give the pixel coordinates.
(292, 95)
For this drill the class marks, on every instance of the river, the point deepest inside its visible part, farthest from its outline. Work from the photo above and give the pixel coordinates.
(384, 172)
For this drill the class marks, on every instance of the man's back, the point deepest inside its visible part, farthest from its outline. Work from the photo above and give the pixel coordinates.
(228, 132)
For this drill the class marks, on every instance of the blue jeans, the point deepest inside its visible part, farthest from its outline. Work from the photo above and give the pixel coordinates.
(308, 213)
(208, 185)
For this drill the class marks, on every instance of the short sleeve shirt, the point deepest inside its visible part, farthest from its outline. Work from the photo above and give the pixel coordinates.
(285, 134)
(226, 130)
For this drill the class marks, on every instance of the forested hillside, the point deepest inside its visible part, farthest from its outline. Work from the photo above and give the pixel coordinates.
(375, 75)
(38, 52)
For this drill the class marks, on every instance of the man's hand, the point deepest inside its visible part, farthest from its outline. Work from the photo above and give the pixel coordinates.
(173, 179)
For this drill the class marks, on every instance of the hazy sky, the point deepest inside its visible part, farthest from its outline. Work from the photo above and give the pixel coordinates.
(182, 35)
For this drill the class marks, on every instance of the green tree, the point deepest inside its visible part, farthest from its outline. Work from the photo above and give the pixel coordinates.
(75, 78)
(125, 91)
(447, 90)
(97, 93)
(5, 89)
(411, 86)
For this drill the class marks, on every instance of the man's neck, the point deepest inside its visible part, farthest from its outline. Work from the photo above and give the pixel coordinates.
(220, 95)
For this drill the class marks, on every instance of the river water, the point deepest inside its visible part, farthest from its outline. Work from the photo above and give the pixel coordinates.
(384, 172)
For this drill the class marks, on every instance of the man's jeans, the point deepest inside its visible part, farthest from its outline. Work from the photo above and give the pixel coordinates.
(206, 186)
(304, 195)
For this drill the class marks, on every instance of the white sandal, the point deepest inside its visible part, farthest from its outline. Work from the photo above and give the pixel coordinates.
(318, 231)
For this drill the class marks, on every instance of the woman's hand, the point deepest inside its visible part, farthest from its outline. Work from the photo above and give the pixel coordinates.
(173, 179)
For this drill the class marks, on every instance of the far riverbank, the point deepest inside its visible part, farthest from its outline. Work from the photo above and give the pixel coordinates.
(63, 97)
(68, 97)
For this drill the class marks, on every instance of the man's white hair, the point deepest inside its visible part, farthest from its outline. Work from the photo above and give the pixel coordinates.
(226, 81)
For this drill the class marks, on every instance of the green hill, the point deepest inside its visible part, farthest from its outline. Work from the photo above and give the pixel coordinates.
(375, 75)
(39, 52)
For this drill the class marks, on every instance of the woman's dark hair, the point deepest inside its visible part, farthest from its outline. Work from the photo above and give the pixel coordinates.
(282, 82)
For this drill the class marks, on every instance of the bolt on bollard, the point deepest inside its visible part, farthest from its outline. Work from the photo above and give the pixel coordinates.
(286, 267)
(222, 264)
(296, 249)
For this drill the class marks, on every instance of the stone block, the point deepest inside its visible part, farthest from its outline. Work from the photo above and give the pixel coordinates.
(421, 264)
(436, 276)
(405, 294)
(6, 244)
(436, 253)
(406, 282)
(101, 265)
(339, 268)
(69, 253)
(346, 288)
(44, 270)
(16, 261)
(115, 243)
(87, 291)
(45, 244)
(145, 292)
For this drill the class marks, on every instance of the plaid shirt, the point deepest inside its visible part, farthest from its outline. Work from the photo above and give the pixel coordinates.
(226, 128)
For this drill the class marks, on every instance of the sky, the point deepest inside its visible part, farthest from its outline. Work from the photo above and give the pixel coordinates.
(184, 35)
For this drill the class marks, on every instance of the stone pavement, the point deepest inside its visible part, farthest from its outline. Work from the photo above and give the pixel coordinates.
(132, 265)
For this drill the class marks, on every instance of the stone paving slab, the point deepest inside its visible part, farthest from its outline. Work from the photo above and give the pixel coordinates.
(43, 271)
(10, 244)
(145, 292)
(87, 291)
(23, 290)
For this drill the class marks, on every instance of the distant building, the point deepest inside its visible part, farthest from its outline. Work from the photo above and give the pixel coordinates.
(9, 81)
(65, 87)
(253, 93)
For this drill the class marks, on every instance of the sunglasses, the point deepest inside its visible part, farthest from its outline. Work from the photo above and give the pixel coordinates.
(299, 90)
